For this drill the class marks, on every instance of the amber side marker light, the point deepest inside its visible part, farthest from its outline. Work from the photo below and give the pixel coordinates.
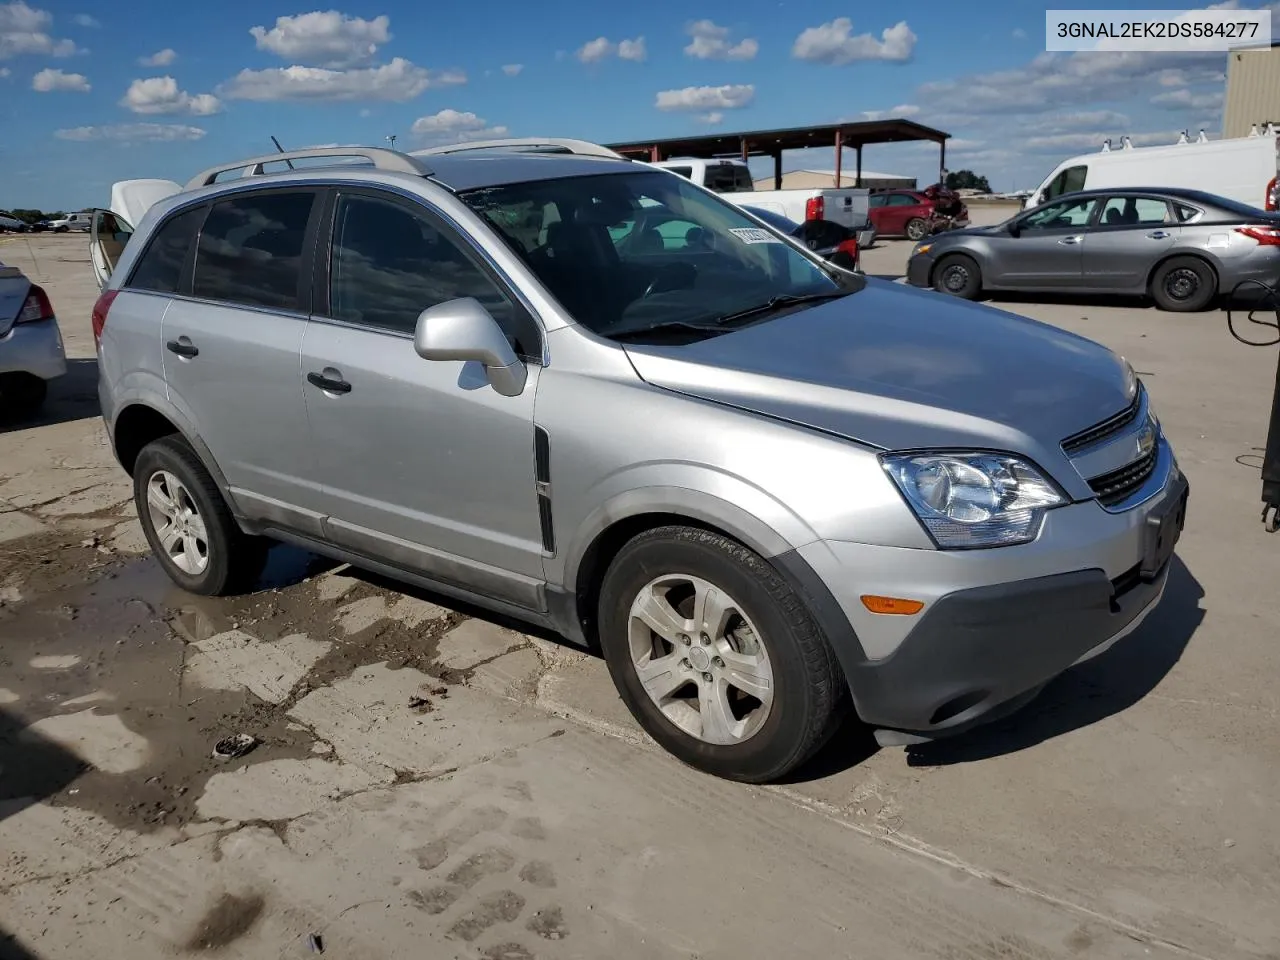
(892, 605)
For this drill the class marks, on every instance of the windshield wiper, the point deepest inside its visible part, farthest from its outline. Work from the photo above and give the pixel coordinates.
(778, 303)
(663, 327)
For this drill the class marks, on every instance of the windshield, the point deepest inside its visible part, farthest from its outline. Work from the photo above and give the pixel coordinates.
(633, 251)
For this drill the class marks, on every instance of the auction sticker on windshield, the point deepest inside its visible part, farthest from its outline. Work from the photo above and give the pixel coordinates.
(753, 235)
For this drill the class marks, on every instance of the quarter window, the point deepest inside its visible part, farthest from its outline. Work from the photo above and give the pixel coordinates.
(160, 266)
(388, 265)
(250, 250)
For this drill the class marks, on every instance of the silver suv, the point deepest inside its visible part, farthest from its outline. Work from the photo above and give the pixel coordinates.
(587, 393)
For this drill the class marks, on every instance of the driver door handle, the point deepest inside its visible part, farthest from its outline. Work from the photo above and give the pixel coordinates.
(1069, 240)
(328, 384)
(1159, 235)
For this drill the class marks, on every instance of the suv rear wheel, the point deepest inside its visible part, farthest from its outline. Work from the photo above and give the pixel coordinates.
(188, 525)
(715, 656)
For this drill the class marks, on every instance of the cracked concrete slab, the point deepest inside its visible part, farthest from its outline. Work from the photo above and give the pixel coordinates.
(282, 789)
(368, 719)
(15, 525)
(270, 670)
(474, 641)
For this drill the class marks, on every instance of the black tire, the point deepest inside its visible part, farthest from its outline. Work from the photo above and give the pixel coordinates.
(917, 229)
(958, 276)
(1184, 285)
(809, 694)
(234, 559)
(21, 395)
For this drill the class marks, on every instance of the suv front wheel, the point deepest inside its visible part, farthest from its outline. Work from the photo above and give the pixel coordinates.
(186, 521)
(715, 656)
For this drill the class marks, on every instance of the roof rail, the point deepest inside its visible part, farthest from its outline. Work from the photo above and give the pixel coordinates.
(381, 158)
(581, 148)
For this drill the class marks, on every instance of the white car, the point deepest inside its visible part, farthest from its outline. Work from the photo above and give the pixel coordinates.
(31, 351)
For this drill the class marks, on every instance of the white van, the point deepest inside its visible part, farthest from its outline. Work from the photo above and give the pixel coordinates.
(1242, 169)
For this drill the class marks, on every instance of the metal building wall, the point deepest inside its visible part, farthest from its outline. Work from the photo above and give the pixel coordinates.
(1253, 91)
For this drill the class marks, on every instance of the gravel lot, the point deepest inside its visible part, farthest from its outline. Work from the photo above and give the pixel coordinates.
(431, 783)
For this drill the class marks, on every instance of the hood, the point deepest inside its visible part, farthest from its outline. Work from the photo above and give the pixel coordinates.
(899, 368)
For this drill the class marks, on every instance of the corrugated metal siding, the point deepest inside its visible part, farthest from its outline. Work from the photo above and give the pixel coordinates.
(1253, 91)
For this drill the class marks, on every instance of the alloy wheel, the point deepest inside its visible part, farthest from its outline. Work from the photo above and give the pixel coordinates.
(700, 659)
(178, 526)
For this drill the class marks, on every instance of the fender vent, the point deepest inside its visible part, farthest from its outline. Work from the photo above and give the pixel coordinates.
(542, 483)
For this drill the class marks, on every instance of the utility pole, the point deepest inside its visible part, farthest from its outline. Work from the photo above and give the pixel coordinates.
(391, 139)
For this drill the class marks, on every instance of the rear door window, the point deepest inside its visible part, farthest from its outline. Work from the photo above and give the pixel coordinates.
(250, 250)
(160, 267)
(1133, 211)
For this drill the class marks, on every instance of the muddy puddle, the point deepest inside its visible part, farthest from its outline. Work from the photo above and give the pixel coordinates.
(106, 701)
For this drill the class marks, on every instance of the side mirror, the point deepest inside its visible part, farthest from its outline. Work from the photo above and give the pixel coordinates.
(1014, 229)
(463, 329)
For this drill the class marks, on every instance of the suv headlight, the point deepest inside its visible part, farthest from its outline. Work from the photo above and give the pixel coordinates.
(974, 499)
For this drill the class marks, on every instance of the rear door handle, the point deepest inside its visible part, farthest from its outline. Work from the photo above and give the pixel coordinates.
(1069, 240)
(328, 384)
(183, 347)
(1158, 235)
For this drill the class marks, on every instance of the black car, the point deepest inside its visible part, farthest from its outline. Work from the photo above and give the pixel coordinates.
(831, 241)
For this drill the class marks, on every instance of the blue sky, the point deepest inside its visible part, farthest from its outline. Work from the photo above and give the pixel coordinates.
(91, 93)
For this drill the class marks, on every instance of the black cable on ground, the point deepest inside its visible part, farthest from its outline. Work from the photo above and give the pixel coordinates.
(1271, 296)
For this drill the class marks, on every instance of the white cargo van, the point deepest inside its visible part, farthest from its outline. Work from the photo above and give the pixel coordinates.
(1242, 169)
(848, 206)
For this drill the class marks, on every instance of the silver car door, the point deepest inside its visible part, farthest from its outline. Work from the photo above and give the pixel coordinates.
(1046, 250)
(231, 343)
(422, 461)
(1132, 233)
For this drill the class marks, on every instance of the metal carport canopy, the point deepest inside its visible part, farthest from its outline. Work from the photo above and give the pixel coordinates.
(772, 143)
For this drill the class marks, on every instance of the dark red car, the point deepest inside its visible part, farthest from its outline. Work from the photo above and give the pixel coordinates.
(915, 214)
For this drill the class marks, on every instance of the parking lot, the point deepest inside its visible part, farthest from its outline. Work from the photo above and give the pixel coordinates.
(429, 782)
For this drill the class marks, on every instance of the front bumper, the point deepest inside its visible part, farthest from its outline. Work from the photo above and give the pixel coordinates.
(998, 624)
(34, 348)
(918, 269)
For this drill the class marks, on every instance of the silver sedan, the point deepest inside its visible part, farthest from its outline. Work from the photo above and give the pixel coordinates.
(1182, 248)
(31, 351)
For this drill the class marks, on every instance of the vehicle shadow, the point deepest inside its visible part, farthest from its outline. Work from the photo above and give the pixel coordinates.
(34, 768)
(1092, 691)
(73, 396)
(11, 949)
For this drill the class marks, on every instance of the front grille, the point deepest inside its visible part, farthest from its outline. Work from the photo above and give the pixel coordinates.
(1105, 429)
(1116, 486)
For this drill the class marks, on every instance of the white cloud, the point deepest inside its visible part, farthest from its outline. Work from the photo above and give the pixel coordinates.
(25, 30)
(50, 80)
(633, 50)
(328, 38)
(84, 20)
(901, 112)
(1019, 33)
(130, 132)
(727, 97)
(161, 58)
(512, 69)
(602, 48)
(1184, 99)
(712, 118)
(398, 80)
(4, 73)
(834, 43)
(157, 95)
(456, 125)
(711, 42)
